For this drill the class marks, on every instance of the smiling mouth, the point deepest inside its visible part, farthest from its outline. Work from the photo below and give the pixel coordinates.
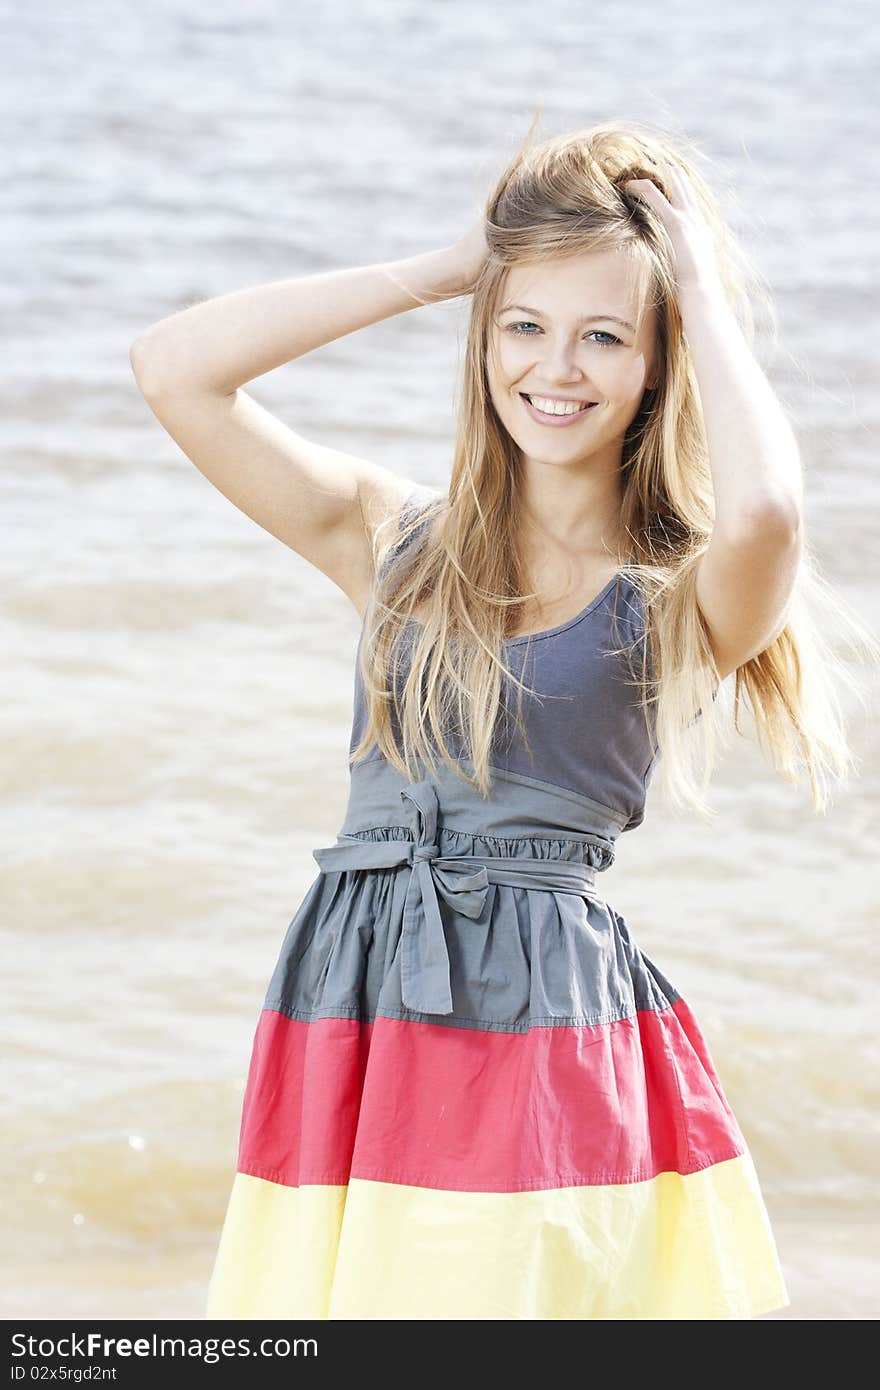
(563, 411)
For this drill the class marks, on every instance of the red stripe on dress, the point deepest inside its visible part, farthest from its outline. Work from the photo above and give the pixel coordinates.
(470, 1110)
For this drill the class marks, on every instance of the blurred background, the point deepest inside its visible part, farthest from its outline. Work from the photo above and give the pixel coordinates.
(179, 684)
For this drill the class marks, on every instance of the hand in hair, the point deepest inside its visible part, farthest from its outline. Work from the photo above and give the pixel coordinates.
(695, 263)
(470, 253)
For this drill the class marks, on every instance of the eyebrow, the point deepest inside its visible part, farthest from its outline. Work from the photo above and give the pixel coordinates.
(587, 318)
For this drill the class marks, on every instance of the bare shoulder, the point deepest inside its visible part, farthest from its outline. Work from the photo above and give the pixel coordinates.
(360, 496)
(382, 496)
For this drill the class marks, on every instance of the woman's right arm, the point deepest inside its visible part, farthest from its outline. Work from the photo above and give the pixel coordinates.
(190, 368)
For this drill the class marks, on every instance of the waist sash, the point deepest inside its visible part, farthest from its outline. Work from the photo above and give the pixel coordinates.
(462, 880)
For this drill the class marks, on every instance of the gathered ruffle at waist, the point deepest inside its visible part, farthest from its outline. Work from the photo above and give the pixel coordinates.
(594, 851)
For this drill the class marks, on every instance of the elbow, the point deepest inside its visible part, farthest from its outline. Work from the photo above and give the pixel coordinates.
(773, 518)
(144, 366)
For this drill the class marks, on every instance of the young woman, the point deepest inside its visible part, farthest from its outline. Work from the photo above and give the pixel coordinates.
(471, 1094)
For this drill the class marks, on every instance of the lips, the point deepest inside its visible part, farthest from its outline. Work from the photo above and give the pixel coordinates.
(555, 421)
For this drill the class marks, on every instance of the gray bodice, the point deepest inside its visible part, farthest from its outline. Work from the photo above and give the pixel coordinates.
(586, 727)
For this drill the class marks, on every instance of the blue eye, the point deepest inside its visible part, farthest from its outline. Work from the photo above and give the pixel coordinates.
(519, 330)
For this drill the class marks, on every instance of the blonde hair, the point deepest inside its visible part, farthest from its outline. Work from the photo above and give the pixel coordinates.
(564, 197)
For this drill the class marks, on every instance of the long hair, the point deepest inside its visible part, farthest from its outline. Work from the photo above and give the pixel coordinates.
(466, 577)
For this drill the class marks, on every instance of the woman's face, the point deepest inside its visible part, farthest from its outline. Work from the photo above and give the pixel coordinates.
(558, 337)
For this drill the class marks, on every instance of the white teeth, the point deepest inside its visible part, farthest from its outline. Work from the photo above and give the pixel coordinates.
(550, 407)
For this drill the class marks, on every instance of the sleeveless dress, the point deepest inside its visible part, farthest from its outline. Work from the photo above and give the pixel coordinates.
(470, 1094)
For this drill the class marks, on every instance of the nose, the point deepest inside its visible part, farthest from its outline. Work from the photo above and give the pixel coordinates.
(559, 365)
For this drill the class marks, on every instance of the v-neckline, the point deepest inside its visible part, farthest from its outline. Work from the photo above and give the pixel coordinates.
(569, 622)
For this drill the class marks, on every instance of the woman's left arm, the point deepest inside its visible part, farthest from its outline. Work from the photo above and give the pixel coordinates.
(746, 576)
